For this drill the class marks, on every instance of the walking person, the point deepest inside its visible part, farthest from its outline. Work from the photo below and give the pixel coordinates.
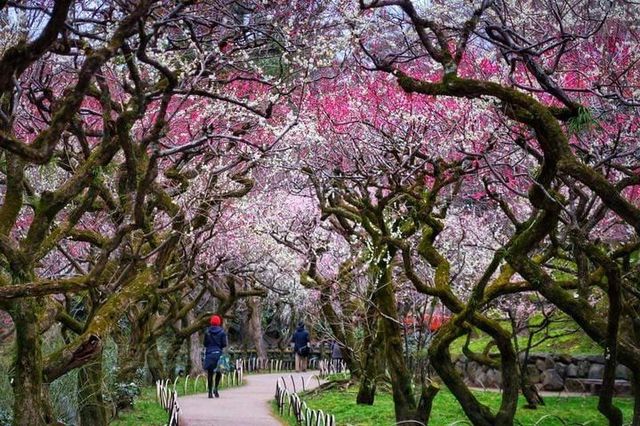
(215, 340)
(336, 356)
(301, 347)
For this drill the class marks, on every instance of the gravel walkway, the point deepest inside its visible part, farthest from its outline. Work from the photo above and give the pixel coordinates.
(245, 405)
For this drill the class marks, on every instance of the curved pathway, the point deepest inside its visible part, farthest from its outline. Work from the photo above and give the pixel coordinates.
(249, 404)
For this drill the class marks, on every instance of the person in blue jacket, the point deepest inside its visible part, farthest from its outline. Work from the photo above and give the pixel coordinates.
(301, 347)
(215, 340)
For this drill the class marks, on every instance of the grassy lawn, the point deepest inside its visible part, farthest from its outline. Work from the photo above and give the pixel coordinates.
(146, 411)
(565, 340)
(575, 344)
(559, 411)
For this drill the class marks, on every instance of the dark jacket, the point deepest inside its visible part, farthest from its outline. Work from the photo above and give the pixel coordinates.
(336, 350)
(215, 339)
(300, 338)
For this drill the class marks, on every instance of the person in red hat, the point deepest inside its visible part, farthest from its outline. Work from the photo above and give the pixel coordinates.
(215, 340)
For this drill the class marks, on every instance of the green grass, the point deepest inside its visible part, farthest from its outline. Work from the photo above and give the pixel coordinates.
(146, 411)
(558, 411)
(566, 342)
(576, 344)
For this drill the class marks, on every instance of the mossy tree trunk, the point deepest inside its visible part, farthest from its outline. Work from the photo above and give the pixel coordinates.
(93, 409)
(154, 363)
(362, 366)
(171, 359)
(30, 407)
(336, 323)
(196, 347)
(401, 379)
(255, 326)
(425, 404)
(478, 413)
(370, 354)
(367, 389)
(370, 364)
(529, 391)
(131, 354)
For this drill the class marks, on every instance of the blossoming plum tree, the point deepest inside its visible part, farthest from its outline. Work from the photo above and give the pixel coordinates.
(156, 156)
(126, 129)
(561, 111)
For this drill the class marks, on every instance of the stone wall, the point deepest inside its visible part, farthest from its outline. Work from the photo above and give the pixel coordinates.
(548, 372)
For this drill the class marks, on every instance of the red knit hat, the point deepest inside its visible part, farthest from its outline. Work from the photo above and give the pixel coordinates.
(216, 320)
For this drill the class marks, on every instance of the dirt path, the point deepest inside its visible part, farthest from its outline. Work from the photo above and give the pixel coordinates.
(244, 405)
